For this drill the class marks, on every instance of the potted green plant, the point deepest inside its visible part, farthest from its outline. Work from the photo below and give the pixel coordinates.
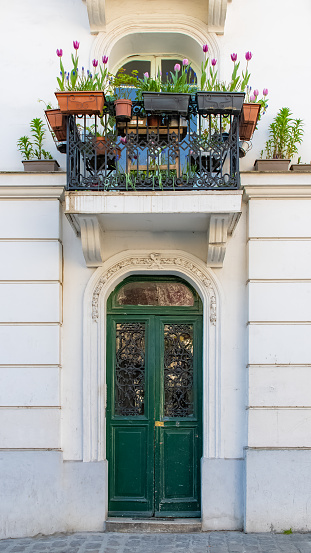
(284, 135)
(36, 158)
(301, 167)
(123, 85)
(82, 92)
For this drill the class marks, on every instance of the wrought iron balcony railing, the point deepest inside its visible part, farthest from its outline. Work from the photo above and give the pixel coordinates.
(153, 151)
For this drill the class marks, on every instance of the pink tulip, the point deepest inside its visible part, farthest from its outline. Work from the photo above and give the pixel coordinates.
(234, 57)
(146, 75)
(248, 56)
(205, 48)
(213, 62)
(185, 62)
(105, 59)
(76, 44)
(177, 67)
(256, 92)
(252, 98)
(265, 92)
(59, 53)
(95, 63)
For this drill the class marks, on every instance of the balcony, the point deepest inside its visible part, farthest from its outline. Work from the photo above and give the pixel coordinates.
(153, 151)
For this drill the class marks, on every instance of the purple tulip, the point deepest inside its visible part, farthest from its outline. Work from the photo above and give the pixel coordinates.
(95, 63)
(265, 92)
(146, 75)
(205, 48)
(105, 59)
(177, 67)
(76, 44)
(185, 62)
(59, 53)
(234, 57)
(256, 92)
(248, 56)
(252, 98)
(213, 62)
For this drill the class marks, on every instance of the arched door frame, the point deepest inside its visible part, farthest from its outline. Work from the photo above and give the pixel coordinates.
(101, 284)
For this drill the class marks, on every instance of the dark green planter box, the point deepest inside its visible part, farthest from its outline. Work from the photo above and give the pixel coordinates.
(166, 102)
(220, 102)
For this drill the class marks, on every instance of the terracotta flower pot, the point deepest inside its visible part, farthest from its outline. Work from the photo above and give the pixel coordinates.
(248, 121)
(101, 146)
(123, 108)
(86, 102)
(57, 122)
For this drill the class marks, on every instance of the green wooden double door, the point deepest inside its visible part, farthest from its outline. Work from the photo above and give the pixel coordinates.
(154, 408)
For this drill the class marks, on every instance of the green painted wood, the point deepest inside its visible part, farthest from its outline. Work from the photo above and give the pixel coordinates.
(154, 470)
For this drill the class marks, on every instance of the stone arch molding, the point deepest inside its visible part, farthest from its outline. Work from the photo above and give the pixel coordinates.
(101, 284)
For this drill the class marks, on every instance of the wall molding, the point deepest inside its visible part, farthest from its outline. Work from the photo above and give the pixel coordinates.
(100, 285)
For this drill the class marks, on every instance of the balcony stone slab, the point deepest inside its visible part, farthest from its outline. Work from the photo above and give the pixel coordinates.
(213, 213)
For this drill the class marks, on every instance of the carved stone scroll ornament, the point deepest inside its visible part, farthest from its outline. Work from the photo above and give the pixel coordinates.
(153, 260)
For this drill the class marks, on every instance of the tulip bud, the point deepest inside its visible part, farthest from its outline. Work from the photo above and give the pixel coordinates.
(213, 62)
(252, 98)
(205, 48)
(185, 62)
(177, 67)
(234, 57)
(256, 92)
(248, 56)
(265, 92)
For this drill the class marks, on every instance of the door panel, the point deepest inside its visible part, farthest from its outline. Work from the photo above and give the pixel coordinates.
(154, 427)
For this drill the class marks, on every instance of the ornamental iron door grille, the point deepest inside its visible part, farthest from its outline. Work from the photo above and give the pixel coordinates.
(165, 151)
(154, 419)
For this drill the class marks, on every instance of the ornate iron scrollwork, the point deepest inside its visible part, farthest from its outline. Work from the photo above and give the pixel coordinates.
(130, 369)
(166, 152)
(178, 370)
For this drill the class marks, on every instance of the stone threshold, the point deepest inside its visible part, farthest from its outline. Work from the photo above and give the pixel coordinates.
(155, 525)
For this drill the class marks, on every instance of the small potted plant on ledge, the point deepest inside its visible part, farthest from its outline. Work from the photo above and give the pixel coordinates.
(301, 167)
(35, 157)
(284, 135)
(82, 92)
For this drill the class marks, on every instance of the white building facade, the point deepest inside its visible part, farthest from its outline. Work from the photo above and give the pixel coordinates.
(245, 254)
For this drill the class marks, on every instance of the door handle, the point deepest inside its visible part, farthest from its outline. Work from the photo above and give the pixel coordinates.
(159, 423)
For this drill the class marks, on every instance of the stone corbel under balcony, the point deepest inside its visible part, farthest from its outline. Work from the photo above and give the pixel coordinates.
(215, 213)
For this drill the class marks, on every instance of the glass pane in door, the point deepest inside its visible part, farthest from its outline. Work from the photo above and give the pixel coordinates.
(130, 369)
(178, 370)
